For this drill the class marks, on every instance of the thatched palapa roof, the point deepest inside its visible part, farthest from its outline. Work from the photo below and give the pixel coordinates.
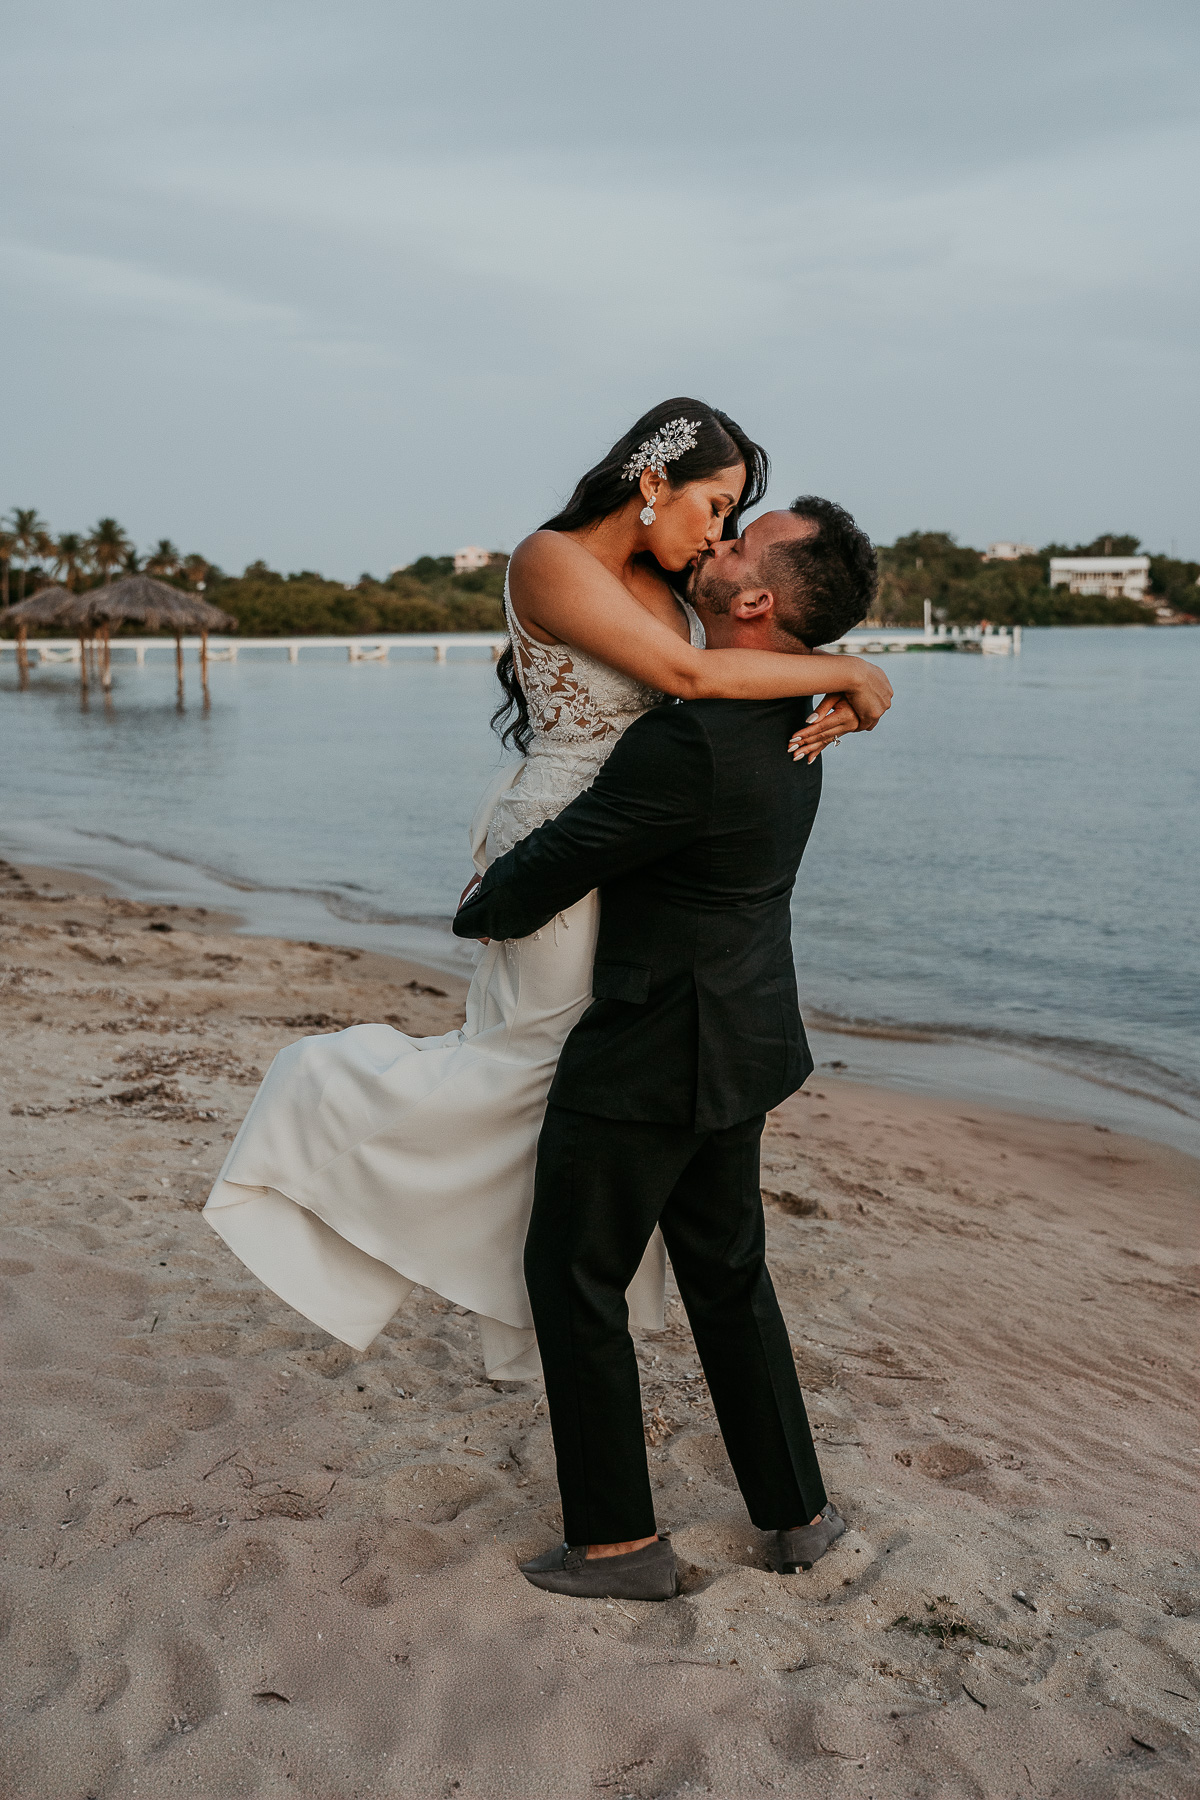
(139, 599)
(51, 606)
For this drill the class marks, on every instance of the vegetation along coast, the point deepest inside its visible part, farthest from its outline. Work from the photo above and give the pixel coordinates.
(965, 586)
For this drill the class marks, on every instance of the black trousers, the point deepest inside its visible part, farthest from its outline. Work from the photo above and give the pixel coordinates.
(602, 1186)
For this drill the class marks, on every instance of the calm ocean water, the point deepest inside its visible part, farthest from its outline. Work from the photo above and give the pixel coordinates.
(1006, 869)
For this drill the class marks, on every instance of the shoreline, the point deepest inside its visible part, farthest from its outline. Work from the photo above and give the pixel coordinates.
(206, 921)
(832, 1073)
(967, 1071)
(949, 1064)
(155, 877)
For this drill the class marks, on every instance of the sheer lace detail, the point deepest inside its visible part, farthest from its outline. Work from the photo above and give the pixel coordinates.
(578, 708)
(559, 700)
(572, 697)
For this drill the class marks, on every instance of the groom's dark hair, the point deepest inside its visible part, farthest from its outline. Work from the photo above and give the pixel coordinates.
(824, 583)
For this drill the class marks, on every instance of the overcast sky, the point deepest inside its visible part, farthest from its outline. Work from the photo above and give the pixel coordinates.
(337, 285)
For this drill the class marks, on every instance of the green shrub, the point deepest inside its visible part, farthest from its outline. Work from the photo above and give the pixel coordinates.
(965, 590)
(427, 596)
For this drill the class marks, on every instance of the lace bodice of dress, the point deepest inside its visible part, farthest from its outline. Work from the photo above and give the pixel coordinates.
(578, 708)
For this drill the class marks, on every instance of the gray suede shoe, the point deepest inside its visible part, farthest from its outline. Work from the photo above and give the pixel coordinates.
(801, 1549)
(646, 1574)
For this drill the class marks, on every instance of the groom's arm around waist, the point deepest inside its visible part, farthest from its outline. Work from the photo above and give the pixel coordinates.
(653, 795)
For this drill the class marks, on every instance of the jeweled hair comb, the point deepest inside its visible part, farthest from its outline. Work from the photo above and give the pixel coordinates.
(669, 443)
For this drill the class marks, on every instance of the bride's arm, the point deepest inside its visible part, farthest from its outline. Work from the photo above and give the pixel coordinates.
(566, 593)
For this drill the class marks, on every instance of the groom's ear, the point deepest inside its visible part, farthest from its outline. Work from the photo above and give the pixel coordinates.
(753, 603)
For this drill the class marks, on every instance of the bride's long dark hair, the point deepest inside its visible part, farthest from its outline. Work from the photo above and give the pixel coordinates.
(720, 443)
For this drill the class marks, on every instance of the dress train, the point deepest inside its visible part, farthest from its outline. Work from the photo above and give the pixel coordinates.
(371, 1161)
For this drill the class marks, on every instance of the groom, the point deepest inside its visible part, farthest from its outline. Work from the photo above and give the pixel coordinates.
(693, 831)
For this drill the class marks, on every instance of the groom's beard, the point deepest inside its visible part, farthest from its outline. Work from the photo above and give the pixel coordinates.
(710, 589)
(716, 594)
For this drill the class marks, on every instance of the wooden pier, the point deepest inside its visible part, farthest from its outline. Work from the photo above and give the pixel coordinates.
(373, 648)
(377, 647)
(978, 640)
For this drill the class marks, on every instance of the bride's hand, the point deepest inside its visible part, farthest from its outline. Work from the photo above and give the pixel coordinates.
(471, 888)
(870, 695)
(833, 718)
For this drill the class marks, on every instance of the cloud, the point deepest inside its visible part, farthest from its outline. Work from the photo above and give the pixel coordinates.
(80, 280)
(405, 271)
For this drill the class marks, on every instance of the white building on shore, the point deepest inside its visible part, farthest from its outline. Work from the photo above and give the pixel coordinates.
(1005, 551)
(1116, 577)
(471, 557)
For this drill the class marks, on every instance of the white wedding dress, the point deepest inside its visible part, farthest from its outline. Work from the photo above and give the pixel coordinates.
(371, 1161)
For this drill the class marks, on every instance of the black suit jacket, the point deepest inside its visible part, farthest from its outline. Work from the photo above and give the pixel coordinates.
(693, 831)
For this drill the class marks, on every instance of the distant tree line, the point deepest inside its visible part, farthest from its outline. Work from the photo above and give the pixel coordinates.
(426, 596)
(964, 588)
(961, 585)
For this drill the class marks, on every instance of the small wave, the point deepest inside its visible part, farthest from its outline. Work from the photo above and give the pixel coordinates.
(1103, 1064)
(1107, 1065)
(361, 912)
(339, 901)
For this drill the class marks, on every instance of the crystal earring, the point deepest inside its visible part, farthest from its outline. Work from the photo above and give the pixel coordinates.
(647, 513)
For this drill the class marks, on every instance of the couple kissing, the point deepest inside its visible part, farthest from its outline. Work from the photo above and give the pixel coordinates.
(633, 1016)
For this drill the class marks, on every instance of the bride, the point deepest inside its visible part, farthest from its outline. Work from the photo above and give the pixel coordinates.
(371, 1161)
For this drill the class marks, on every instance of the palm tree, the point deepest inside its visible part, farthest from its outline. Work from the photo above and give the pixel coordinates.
(196, 568)
(70, 553)
(8, 549)
(43, 547)
(163, 559)
(131, 562)
(107, 546)
(29, 532)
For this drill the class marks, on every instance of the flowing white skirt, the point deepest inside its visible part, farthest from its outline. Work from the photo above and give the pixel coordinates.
(370, 1161)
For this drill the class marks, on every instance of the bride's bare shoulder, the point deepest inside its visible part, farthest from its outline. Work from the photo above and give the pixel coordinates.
(546, 550)
(551, 563)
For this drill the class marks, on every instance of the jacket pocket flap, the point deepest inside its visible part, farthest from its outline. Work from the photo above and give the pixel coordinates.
(621, 981)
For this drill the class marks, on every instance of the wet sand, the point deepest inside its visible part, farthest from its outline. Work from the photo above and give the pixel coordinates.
(240, 1559)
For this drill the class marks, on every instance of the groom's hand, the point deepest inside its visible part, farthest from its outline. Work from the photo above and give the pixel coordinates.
(468, 892)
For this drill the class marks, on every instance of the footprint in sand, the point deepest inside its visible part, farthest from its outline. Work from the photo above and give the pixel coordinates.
(436, 1494)
(199, 1409)
(103, 1682)
(947, 1462)
(190, 1690)
(251, 1564)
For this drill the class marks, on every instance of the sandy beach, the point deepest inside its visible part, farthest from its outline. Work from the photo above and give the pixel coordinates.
(240, 1559)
